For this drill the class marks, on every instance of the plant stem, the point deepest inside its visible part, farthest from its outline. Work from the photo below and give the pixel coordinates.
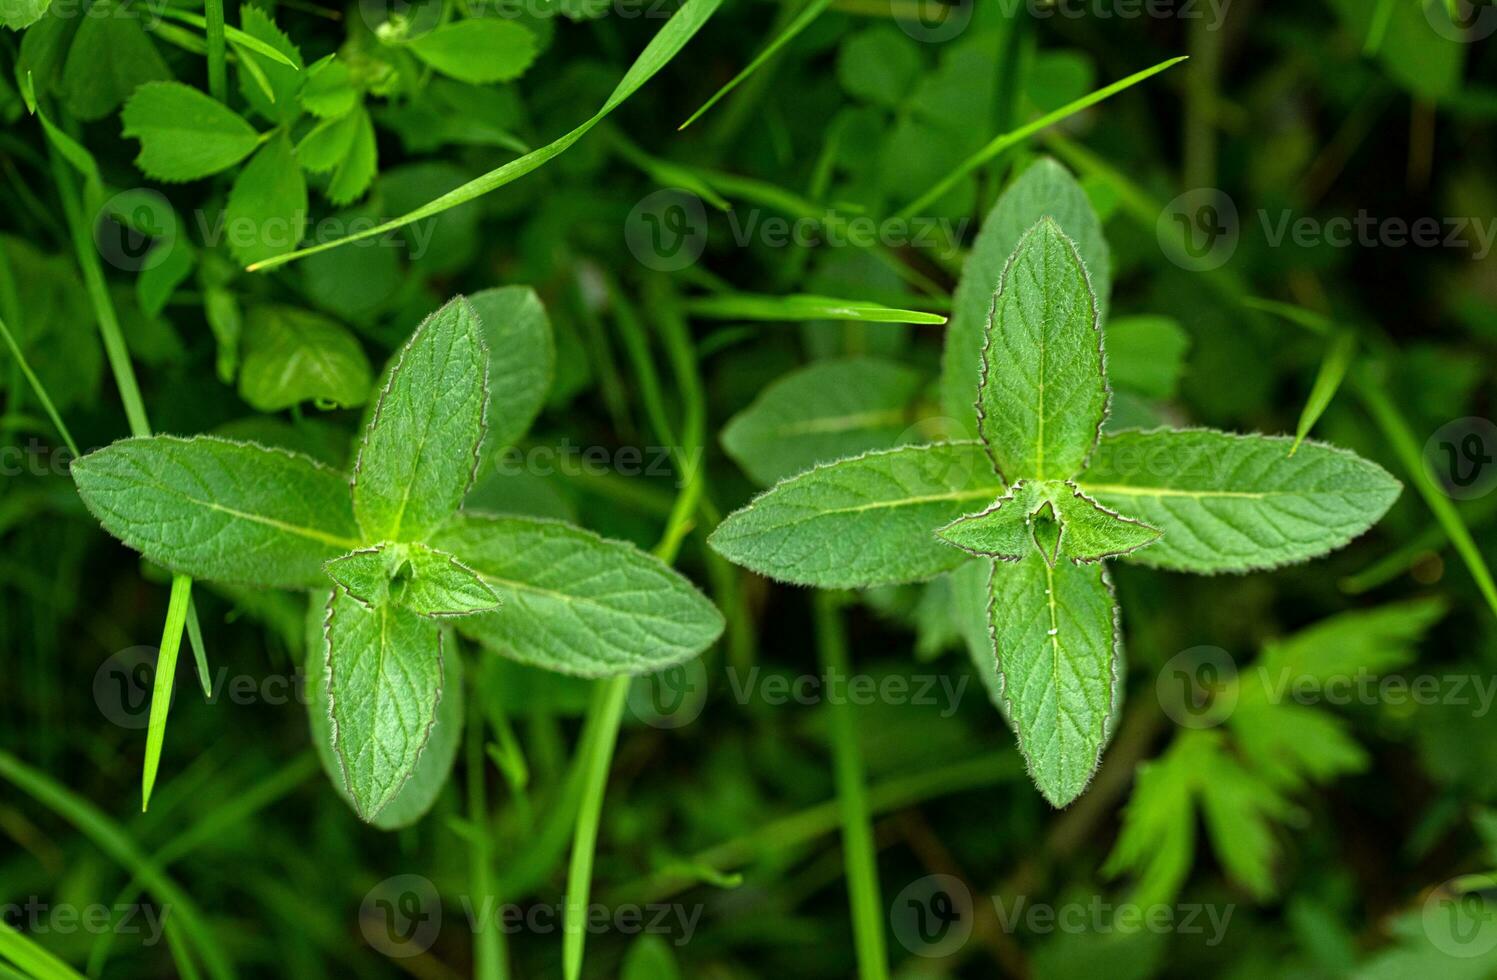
(36, 386)
(858, 853)
(490, 961)
(213, 15)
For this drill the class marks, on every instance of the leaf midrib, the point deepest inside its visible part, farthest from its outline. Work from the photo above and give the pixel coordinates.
(297, 529)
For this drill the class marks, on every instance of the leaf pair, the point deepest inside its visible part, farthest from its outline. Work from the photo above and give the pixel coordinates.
(404, 562)
(1062, 495)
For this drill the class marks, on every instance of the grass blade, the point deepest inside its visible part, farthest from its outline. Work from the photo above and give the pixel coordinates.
(199, 651)
(1382, 14)
(36, 386)
(800, 307)
(812, 10)
(35, 960)
(1006, 140)
(214, 30)
(661, 49)
(858, 852)
(166, 675)
(229, 33)
(1338, 356)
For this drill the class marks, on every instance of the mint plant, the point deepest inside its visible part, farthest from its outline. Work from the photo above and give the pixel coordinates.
(1062, 497)
(402, 565)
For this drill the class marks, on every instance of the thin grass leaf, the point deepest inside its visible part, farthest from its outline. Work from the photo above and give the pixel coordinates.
(801, 307)
(1006, 140)
(36, 961)
(1381, 15)
(232, 34)
(803, 20)
(166, 675)
(199, 650)
(659, 52)
(38, 388)
(1338, 356)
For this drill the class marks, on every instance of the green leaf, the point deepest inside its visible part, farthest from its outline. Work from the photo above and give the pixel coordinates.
(801, 307)
(803, 19)
(279, 105)
(292, 355)
(421, 579)
(420, 449)
(1338, 357)
(1157, 842)
(522, 360)
(1083, 531)
(1043, 397)
(384, 678)
(327, 143)
(267, 208)
(879, 65)
(329, 91)
(356, 170)
(1045, 189)
(110, 58)
(825, 411)
(682, 26)
(869, 520)
(1057, 639)
(433, 766)
(1234, 503)
(1146, 355)
(575, 602)
(220, 510)
(478, 51)
(1240, 810)
(20, 14)
(183, 133)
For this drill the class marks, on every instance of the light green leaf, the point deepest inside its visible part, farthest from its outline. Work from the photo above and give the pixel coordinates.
(292, 355)
(1043, 397)
(356, 170)
(879, 65)
(869, 520)
(20, 14)
(384, 676)
(220, 510)
(267, 208)
(421, 579)
(420, 450)
(682, 26)
(283, 80)
(1338, 357)
(1091, 532)
(1002, 531)
(1056, 634)
(802, 307)
(433, 766)
(575, 602)
(522, 360)
(1236, 503)
(329, 91)
(327, 143)
(1045, 189)
(825, 411)
(478, 51)
(183, 133)
(110, 58)
(1157, 842)
(1146, 355)
(1240, 809)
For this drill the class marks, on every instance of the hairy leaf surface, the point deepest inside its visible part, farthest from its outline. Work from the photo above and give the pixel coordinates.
(575, 602)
